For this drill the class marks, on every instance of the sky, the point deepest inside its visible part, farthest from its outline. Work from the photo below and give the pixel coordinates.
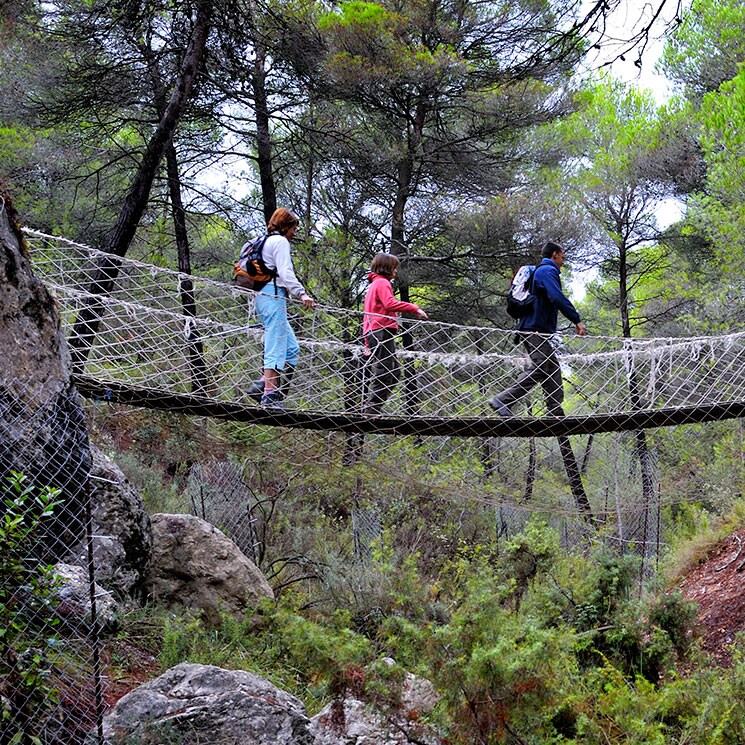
(630, 16)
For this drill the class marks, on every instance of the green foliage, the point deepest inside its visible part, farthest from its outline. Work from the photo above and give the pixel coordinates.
(621, 156)
(702, 708)
(519, 669)
(675, 617)
(716, 212)
(27, 617)
(706, 49)
(363, 15)
(311, 660)
(612, 579)
(496, 668)
(524, 639)
(529, 553)
(693, 546)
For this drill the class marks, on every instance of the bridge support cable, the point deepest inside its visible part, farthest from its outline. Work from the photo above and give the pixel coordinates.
(544, 426)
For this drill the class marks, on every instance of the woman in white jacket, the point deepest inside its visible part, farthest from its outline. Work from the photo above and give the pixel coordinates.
(281, 349)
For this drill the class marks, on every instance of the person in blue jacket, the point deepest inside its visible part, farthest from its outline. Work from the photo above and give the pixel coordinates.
(535, 331)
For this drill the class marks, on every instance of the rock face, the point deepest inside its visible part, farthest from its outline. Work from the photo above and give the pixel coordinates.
(121, 526)
(34, 351)
(195, 565)
(201, 703)
(43, 431)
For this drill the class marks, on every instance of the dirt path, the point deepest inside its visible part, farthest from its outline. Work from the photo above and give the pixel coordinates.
(718, 587)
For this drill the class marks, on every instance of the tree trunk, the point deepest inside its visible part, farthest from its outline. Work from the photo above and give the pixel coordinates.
(586, 456)
(404, 180)
(575, 478)
(642, 448)
(531, 472)
(398, 247)
(88, 320)
(263, 134)
(195, 347)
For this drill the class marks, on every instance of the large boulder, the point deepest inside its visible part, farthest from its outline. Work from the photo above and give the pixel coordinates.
(195, 565)
(201, 703)
(121, 526)
(43, 431)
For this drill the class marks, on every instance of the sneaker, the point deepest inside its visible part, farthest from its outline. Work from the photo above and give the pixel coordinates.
(272, 400)
(500, 408)
(255, 390)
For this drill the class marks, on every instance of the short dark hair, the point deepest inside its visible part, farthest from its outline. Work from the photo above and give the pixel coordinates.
(384, 264)
(550, 249)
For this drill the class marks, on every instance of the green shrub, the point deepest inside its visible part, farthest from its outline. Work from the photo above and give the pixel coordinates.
(311, 660)
(499, 671)
(27, 615)
(676, 617)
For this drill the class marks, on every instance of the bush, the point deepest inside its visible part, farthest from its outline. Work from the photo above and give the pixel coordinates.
(27, 616)
(313, 661)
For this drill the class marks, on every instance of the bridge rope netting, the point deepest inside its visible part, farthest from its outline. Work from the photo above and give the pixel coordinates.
(148, 348)
(190, 346)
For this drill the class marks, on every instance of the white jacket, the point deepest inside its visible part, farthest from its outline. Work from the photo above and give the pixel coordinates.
(276, 255)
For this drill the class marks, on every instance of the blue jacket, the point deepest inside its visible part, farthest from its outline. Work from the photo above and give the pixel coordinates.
(549, 300)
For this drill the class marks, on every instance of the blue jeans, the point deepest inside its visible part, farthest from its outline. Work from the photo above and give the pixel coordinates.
(280, 343)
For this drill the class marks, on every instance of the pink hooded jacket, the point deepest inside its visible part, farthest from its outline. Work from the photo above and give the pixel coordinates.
(381, 306)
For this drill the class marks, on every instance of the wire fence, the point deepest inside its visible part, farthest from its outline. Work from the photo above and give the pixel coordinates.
(50, 682)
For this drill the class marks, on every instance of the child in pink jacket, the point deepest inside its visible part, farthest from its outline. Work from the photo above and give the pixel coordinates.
(379, 328)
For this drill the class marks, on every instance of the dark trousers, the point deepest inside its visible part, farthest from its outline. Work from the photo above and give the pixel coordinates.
(381, 369)
(545, 370)
(382, 372)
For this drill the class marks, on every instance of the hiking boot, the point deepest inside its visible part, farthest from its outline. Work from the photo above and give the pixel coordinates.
(500, 408)
(272, 400)
(255, 390)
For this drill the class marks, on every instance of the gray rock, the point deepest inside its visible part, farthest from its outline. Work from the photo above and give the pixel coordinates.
(195, 565)
(35, 355)
(354, 722)
(418, 695)
(43, 431)
(206, 704)
(74, 606)
(121, 529)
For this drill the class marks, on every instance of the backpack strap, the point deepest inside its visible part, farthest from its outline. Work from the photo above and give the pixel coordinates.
(260, 256)
(273, 272)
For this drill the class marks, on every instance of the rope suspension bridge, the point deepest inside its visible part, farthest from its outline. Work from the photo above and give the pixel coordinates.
(155, 349)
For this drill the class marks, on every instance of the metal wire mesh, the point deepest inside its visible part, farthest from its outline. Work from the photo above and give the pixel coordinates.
(219, 493)
(49, 674)
(450, 371)
(466, 475)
